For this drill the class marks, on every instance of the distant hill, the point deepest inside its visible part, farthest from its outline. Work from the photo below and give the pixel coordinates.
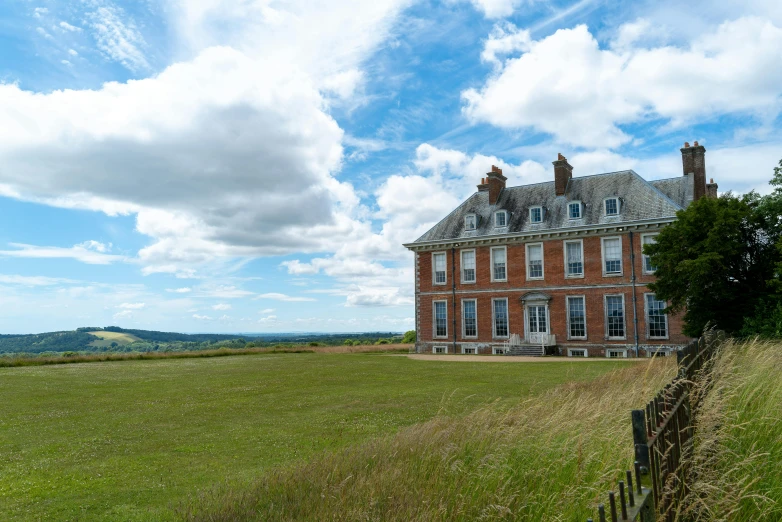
(111, 338)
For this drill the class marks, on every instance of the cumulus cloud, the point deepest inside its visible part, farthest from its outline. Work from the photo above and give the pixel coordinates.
(567, 85)
(183, 290)
(125, 314)
(221, 306)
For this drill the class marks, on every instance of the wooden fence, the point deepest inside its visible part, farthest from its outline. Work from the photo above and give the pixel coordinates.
(662, 433)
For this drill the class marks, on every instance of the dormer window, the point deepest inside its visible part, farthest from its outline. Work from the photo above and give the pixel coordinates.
(574, 210)
(469, 222)
(501, 218)
(612, 206)
(536, 214)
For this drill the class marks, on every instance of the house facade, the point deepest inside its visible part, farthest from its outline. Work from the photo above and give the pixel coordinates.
(554, 267)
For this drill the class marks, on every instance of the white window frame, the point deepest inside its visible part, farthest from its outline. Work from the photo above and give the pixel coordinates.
(464, 325)
(623, 350)
(571, 350)
(474, 221)
(473, 347)
(624, 317)
(434, 271)
(542, 262)
(434, 319)
(498, 350)
(445, 346)
(504, 213)
(567, 317)
(618, 206)
(542, 216)
(644, 257)
(564, 253)
(603, 257)
(461, 265)
(580, 210)
(494, 316)
(491, 252)
(646, 319)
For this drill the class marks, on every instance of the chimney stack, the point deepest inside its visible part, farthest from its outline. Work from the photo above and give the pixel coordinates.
(694, 162)
(563, 171)
(711, 189)
(494, 183)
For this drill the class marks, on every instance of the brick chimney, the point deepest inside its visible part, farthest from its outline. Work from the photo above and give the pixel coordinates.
(563, 171)
(711, 189)
(494, 183)
(694, 162)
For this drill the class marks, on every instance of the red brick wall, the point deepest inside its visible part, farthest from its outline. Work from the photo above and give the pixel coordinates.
(594, 286)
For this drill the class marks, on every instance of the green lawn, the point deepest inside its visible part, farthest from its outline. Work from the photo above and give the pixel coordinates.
(131, 440)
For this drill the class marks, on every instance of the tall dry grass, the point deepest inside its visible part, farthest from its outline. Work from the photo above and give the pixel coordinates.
(551, 457)
(737, 456)
(12, 361)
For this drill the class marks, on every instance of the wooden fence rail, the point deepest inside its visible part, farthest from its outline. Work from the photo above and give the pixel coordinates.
(662, 433)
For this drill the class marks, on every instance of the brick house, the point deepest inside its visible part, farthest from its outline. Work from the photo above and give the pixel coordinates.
(554, 267)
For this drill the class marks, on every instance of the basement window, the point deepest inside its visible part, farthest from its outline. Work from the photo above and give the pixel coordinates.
(440, 349)
(571, 352)
(616, 354)
(469, 351)
(498, 350)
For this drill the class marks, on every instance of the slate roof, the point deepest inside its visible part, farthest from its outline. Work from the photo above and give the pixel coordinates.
(641, 200)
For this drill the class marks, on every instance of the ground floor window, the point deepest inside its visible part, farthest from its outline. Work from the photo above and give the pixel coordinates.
(615, 316)
(500, 317)
(576, 311)
(616, 354)
(573, 352)
(440, 349)
(440, 319)
(656, 320)
(469, 350)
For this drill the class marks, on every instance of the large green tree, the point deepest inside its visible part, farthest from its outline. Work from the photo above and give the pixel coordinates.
(720, 262)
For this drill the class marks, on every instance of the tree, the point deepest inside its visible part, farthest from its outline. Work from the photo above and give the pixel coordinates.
(409, 337)
(720, 260)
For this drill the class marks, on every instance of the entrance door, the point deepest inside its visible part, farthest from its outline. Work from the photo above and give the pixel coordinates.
(537, 324)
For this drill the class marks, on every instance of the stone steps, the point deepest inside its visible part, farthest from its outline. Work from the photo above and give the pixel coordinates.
(529, 350)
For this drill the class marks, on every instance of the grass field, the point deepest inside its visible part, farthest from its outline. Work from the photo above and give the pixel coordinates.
(106, 338)
(738, 446)
(131, 440)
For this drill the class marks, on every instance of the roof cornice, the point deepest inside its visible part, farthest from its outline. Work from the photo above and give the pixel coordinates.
(533, 235)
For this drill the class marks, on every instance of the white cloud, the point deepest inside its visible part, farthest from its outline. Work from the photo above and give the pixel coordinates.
(132, 306)
(33, 280)
(221, 306)
(183, 290)
(117, 37)
(270, 320)
(202, 317)
(495, 8)
(284, 297)
(567, 86)
(69, 27)
(38, 12)
(221, 291)
(267, 311)
(82, 252)
(72, 52)
(125, 314)
(503, 40)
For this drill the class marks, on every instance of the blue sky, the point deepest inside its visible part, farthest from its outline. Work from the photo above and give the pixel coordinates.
(255, 165)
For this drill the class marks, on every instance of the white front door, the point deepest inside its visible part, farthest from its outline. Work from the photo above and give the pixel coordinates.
(537, 324)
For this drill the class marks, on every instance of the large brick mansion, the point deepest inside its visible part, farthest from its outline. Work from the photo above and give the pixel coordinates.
(554, 267)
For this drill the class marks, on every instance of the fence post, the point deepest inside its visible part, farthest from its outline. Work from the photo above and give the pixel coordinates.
(640, 438)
